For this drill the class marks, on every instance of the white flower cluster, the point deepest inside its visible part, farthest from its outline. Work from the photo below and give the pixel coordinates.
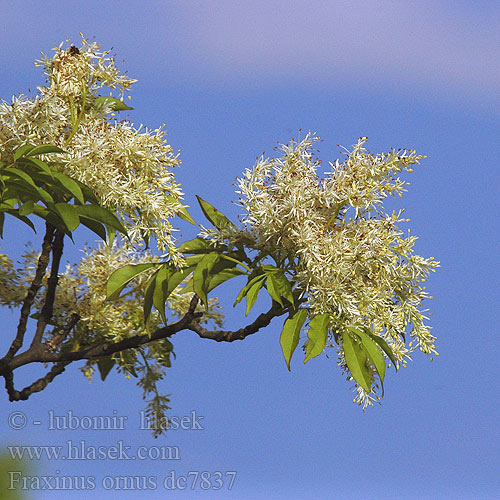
(83, 290)
(75, 72)
(129, 169)
(333, 238)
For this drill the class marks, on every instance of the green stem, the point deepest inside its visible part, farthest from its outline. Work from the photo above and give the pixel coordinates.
(236, 261)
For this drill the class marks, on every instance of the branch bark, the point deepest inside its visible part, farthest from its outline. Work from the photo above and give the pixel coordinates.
(230, 336)
(43, 262)
(43, 353)
(50, 295)
(37, 386)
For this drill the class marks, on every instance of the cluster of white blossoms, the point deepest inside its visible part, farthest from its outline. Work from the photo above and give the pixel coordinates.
(336, 243)
(82, 290)
(129, 169)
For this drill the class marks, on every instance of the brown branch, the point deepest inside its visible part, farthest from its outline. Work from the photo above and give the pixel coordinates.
(42, 353)
(190, 321)
(43, 262)
(230, 336)
(9, 384)
(57, 339)
(37, 386)
(50, 295)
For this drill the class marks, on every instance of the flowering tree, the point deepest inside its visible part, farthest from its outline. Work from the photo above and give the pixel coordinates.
(330, 259)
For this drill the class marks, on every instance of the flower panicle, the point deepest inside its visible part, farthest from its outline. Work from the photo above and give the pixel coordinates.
(130, 169)
(72, 71)
(351, 257)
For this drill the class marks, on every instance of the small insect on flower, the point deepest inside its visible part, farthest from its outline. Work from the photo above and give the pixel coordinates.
(73, 51)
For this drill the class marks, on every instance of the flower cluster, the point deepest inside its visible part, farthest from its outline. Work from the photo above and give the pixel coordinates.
(74, 72)
(331, 235)
(130, 169)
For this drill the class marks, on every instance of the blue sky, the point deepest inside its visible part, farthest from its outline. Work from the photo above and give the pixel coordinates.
(230, 79)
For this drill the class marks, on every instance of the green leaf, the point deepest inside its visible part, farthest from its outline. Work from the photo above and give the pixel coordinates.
(317, 335)
(8, 203)
(218, 219)
(374, 353)
(384, 345)
(94, 226)
(88, 193)
(15, 213)
(224, 275)
(357, 361)
(41, 165)
(111, 235)
(181, 210)
(101, 214)
(252, 294)
(280, 286)
(159, 296)
(15, 188)
(26, 186)
(214, 276)
(45, 197)
(196, 245)
(201, 275)
(69, 215)
(174, 280)
(273, 289)
(27, 207)
(121, 277)
(117, 104)
(192, 260)
(71, 186)
(42, 150)
(188, 286)
(23, 150)
(183, 213)
(105, 365)
(290, 334)
(148, 297)
(52, 217)
(22, 175)
(247, 287)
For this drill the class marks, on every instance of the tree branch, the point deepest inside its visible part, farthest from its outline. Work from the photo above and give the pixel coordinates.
(230, 336)
(37, 386)
(50, 295)
(43, 353)
(57, 339)
(43, 262)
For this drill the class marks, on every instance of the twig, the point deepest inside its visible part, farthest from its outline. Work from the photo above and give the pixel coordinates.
(37, 386)
(230, 336)
(43, 262)
(50, 295)
(57, 339)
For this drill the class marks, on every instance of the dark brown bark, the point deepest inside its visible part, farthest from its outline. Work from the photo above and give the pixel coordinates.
(43, 262)
(50, 295)
(44, 353)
